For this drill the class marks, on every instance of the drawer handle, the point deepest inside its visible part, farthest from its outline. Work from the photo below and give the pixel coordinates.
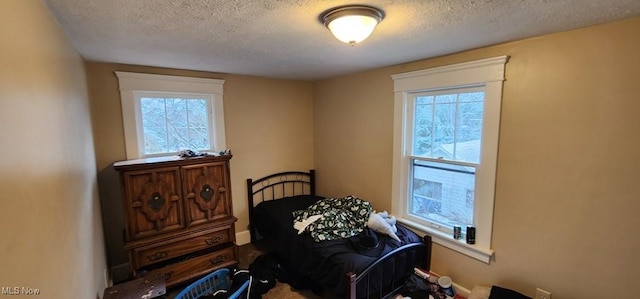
(214, 239)
(158, 255)
(156, 201)
(218, 259)
(207, 193)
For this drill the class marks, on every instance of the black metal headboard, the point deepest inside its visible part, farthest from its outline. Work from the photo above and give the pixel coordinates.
(276, 186)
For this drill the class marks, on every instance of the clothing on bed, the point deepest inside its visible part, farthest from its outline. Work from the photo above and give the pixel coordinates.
(341, 217)
(324, 262)
(382, 223)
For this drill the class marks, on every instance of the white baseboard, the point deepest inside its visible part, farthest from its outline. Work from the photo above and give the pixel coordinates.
(461, 290)
(243, 237)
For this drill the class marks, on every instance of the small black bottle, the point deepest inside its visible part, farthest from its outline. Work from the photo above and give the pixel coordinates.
(471, 234)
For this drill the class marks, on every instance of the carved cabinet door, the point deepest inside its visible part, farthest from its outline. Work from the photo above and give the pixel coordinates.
(207, 192)
(154, 204)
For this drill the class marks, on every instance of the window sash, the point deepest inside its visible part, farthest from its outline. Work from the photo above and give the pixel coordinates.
(446, 165)
(412, 157)
(431, 123)
(138, 96)
(452, 177)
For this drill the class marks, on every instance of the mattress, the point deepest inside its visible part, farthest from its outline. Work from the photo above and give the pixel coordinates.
(324, 262)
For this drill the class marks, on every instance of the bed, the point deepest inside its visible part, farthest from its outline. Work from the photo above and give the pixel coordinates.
(337, 267)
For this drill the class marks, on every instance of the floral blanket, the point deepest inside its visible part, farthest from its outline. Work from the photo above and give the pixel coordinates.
(341, 217)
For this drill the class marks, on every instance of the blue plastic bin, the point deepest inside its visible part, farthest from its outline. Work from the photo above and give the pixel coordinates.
(212, 282)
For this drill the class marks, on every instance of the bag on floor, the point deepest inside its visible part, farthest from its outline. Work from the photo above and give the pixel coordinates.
(263, 278)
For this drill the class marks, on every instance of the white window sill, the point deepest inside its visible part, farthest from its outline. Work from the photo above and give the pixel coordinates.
(471, 250)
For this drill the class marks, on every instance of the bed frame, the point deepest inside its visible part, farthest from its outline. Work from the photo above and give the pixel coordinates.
(291, 183)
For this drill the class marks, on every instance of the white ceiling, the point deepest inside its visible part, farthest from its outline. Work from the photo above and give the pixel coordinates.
(285, 38)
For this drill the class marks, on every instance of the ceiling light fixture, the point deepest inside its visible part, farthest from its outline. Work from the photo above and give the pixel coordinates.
(353, 23)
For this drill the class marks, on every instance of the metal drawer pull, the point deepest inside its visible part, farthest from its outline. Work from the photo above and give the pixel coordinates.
(219, 259)
(158, 255)
(214, 239)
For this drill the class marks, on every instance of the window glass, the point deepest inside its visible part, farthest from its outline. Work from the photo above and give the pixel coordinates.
(448, 126)
(442, 193)
(174, 124)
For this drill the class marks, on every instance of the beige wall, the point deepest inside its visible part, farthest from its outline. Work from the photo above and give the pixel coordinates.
(50, 224)
(268, 122)
(567, 194)
(567, 190)
(353, 130)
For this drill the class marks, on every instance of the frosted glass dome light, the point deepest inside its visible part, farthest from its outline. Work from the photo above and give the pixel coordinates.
(352, 24)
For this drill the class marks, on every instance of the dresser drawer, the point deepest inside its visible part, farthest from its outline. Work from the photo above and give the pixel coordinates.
(146, 256)
(197, 266)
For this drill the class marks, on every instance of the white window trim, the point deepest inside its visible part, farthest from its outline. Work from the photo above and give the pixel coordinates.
(130, 83)
(488, 72)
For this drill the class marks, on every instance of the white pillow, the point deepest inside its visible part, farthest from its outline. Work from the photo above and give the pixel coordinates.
(377, 223)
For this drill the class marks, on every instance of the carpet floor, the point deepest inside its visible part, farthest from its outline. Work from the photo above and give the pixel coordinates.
(247, 253)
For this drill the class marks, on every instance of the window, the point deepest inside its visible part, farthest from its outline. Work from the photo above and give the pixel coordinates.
(163, 115)
(446, 133)
(446, 123)
(171, 124)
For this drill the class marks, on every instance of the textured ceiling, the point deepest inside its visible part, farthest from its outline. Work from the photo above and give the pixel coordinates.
(285, 39)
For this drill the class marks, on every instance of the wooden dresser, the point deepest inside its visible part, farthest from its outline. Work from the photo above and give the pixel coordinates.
(179, 216)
